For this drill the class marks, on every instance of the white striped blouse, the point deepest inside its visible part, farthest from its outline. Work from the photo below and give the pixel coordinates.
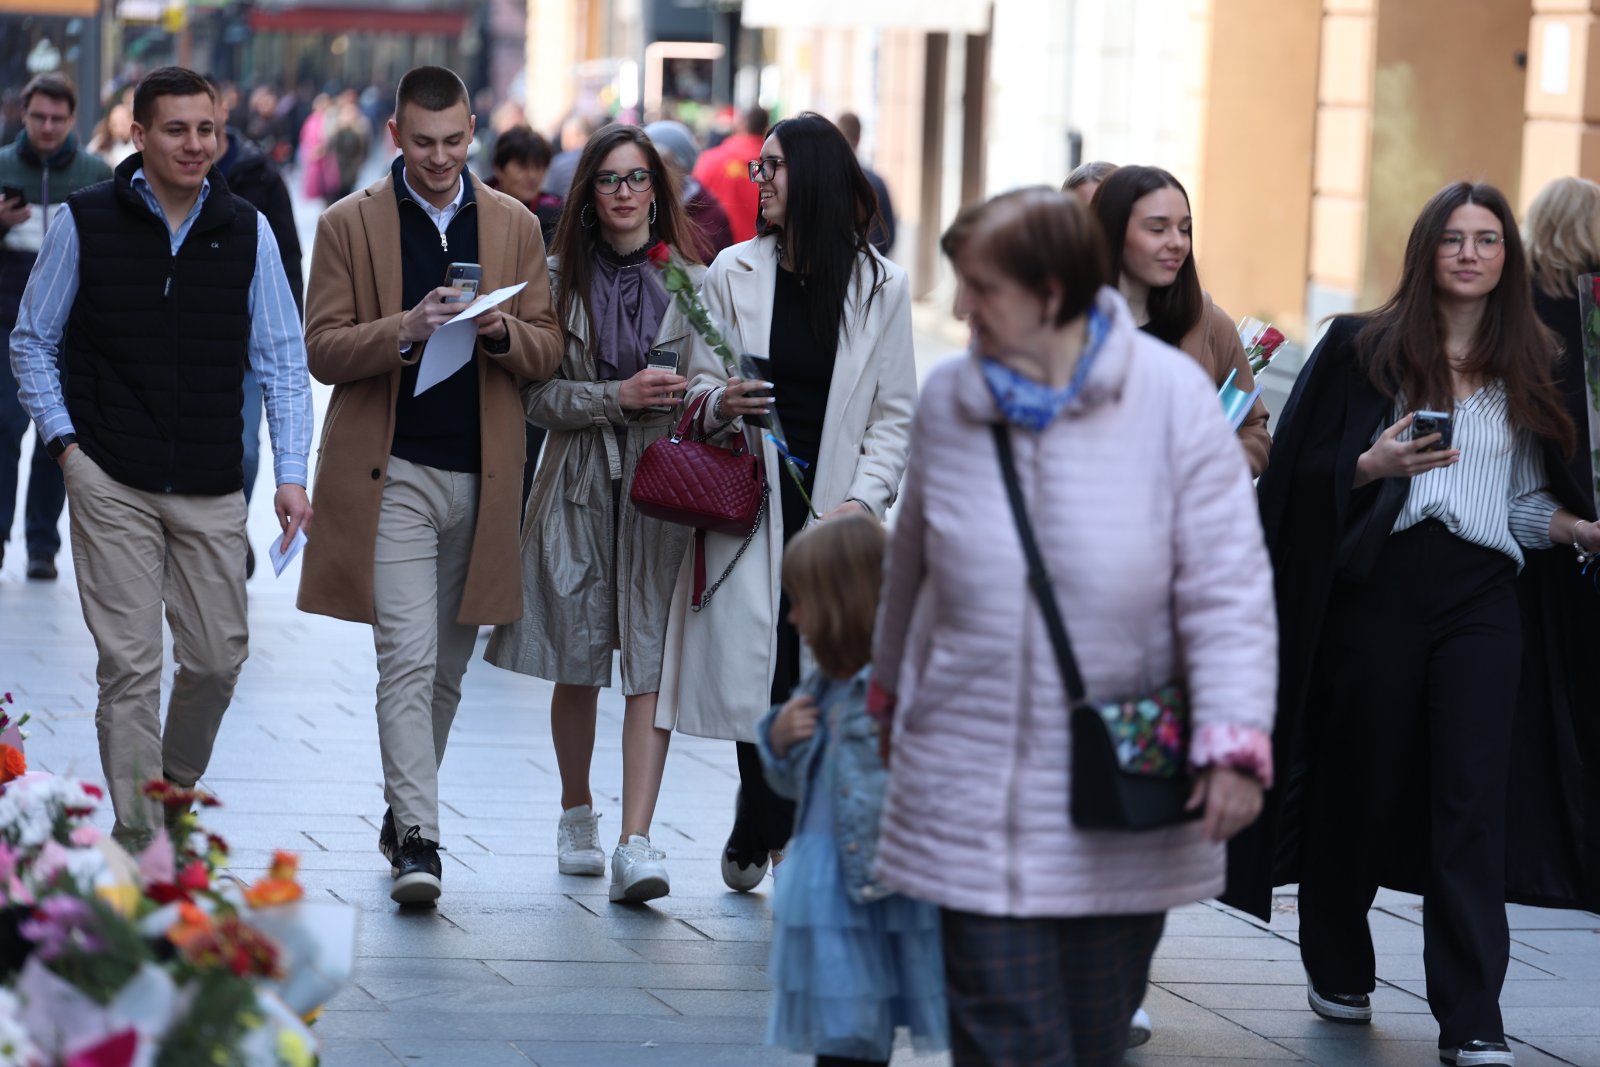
(1496, 495)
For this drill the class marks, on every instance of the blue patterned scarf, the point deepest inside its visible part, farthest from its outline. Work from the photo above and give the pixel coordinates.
(1033, 405)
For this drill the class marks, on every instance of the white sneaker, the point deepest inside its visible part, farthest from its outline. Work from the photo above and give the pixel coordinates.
(578, 848)
(1140, 1029)
(637, 873)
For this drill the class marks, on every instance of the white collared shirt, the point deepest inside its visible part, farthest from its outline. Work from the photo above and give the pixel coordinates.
(441, 216)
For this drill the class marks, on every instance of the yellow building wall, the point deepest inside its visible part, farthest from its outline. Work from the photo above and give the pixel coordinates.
(1253, 220)
(1562, 135)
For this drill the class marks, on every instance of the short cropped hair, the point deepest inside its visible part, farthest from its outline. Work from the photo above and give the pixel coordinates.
(167, 81)
(55, 86)
(1036, 236)
(834, 571)
(520, 144)
(755, 120)
(850, 125)
(432, 89)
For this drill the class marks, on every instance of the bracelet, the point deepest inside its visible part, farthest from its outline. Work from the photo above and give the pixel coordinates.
(716, 408)
(1583, 556)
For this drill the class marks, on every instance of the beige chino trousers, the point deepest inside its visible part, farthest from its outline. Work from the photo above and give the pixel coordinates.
(139, 554)
(425, 527)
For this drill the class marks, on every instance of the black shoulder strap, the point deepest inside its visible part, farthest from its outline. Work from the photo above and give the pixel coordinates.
(1038, 577)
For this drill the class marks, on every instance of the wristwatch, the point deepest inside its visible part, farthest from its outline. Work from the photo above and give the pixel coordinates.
(58, 445)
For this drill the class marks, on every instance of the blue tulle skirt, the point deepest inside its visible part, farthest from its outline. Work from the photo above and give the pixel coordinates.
(845, 975)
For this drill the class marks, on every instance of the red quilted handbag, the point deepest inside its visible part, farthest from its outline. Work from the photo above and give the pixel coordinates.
(689, 481)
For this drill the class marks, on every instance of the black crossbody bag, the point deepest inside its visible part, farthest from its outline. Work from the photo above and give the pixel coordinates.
(1129, 757)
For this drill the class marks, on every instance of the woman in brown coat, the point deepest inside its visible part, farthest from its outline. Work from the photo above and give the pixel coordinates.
(1149, 230)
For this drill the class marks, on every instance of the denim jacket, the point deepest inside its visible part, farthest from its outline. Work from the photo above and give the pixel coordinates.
(856, 775)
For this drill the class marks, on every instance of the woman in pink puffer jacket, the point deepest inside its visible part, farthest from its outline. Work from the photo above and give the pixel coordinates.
(1142, 505)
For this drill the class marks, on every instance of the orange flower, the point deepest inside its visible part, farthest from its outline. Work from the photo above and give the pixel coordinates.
(192, 926)
(279, 886)
(12, 763)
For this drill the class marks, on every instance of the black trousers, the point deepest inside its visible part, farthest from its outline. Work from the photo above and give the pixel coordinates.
(1420, 665)
(1044, 992)
(764, 820)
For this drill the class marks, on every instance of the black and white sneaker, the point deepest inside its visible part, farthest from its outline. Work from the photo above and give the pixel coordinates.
(1340, 1007)
(416, 871)
(1476, 1053)
(389, 841)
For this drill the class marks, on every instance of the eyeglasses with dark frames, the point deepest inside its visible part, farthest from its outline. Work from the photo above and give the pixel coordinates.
(606, 183)
(766, 168)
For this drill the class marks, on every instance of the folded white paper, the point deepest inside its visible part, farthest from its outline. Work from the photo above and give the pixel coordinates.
(450, 347)
(280, 558)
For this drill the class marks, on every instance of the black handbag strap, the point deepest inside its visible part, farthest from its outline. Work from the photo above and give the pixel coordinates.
(1038, 577)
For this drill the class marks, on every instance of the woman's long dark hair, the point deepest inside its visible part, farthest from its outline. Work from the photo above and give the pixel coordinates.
(575, 243)
(1176, 308)
(828, 212)
(1401, 344)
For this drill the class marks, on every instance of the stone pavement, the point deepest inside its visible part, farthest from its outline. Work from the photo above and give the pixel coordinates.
(520, 965)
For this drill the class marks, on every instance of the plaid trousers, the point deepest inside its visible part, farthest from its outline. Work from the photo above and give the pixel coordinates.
(1045, 992)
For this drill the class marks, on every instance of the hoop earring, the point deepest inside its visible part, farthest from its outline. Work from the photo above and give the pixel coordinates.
(586, 217)
(652, 212)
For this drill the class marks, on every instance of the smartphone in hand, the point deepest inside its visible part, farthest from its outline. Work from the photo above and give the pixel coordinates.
(465, 277)
(662, 359)
(1433, 422)
(756, 369)
(13, 195)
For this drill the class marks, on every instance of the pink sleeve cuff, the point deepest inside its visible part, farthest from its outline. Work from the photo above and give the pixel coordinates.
(1242, 748)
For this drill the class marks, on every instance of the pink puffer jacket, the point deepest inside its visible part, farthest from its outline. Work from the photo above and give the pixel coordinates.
(1143, 508)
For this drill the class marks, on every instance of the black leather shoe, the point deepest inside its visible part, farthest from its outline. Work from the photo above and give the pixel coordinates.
(1477, 1053)
(389, 840)
(417, 871)
(1340, 1007)
(42, 569)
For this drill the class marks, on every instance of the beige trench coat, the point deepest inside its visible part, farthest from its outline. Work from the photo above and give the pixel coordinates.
(573, 603)
(353, 309)
(716, 677)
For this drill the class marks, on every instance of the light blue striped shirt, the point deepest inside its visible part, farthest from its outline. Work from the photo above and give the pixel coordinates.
(277, 348)
(1497, 494)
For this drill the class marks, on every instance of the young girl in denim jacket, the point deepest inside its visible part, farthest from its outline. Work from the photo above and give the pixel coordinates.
(850, 960)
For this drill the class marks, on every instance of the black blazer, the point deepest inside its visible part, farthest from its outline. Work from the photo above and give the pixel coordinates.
(1317, 529)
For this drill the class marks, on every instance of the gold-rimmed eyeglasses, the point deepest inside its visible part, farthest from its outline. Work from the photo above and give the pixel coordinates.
(1486, 245)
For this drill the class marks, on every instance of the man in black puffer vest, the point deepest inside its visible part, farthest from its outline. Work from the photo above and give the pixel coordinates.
(157, 289)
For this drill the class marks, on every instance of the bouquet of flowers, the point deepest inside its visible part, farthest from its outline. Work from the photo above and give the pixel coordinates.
(1261, 341)
(13, 764)
(682, 288)
(155, 960)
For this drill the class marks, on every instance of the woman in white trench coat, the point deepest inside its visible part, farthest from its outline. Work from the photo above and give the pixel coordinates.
(834, 317)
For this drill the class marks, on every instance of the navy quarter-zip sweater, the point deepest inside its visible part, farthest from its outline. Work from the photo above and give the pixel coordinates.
(440, 428)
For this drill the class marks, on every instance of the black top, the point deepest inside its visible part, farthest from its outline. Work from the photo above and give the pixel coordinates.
(1562, 316)
(440, 428)
(802, 371)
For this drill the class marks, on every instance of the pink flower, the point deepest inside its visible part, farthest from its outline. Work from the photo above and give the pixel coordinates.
(84, 836)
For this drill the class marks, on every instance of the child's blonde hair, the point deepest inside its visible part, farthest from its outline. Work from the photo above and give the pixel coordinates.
(834, 571)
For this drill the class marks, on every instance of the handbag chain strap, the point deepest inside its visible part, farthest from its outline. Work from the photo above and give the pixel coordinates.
(699, 602)
(1038, 577)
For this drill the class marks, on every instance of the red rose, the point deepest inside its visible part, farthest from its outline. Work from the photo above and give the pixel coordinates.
(193, 877)
(659, 254)
(1270, 340)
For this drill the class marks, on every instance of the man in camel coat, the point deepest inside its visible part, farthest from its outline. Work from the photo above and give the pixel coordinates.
(421, 492)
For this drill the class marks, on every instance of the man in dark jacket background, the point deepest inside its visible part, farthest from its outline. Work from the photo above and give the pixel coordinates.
(47, 164)
(252, 176)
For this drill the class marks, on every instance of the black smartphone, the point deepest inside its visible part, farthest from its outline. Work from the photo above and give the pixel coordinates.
(9, 193)
(1433, 422)
(465, 277)
(758, 369)
(662, 359)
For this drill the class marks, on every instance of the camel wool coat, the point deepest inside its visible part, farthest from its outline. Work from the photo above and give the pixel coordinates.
(716, 674)
(1214, 343)
(353, 310)
(583, 579)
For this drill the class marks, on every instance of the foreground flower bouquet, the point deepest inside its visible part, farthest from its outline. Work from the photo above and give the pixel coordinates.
(154, 960)
(1261, 342)
(682, 288)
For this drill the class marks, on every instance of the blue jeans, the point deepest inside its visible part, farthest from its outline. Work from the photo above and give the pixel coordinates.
(252, 431)
(47, 493)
